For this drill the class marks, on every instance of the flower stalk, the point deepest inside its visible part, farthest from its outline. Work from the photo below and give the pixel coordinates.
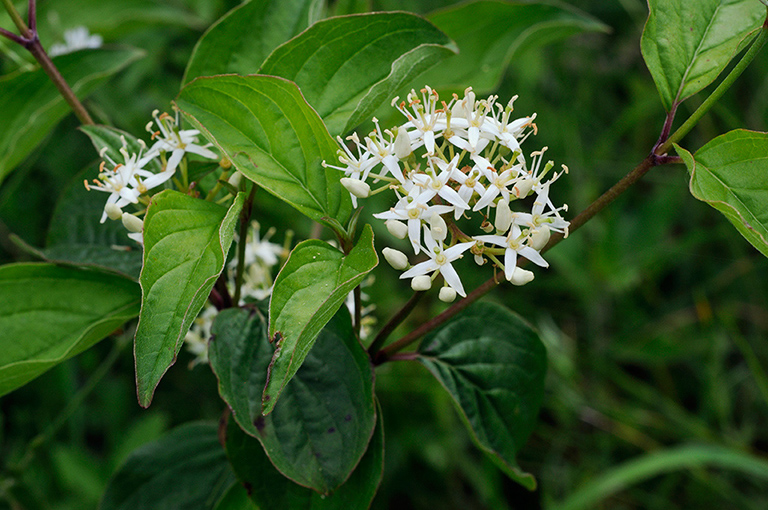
(30, 40)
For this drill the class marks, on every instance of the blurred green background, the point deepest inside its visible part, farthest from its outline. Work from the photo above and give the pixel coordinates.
(655, 314)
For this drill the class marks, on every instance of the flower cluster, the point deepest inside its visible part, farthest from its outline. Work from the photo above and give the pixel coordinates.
(129, 181)
(445, 163)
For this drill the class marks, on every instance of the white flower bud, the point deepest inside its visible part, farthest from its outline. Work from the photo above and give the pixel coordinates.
(479, 260)
(438, 227)
(402, 143)
(235, 179)
(132, 223)
(521, 276)
(503, 216)
(113, 211)
(396, 259)
(539, 238)
(421, 283)
(397, 228)
(358, 188)
(523, 187)
(447, 294)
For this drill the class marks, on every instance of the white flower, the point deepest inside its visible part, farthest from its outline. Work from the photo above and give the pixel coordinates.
(514, 242)
(440, 260)
(170, 139)
(433, 183)
(425, 120)
(77, 38)
(413, 209)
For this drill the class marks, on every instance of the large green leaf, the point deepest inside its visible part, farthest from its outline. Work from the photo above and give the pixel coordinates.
(264, 125)
(270, 489)
(241, 40)
(490, 33)
(324, 421)
(186, 241)
(337, 61)
(311, 286)
(30, 105)
(730, 174)
(50, 313)
(493, 364)
(687, 44)
(187, 469)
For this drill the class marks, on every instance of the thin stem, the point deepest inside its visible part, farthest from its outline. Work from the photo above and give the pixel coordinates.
(32, 15)
(16, 18)
(683, 130)
(393, 323)
(358, 296)
(387, 352)
(245, 217)
(30, 40)
(13, 37)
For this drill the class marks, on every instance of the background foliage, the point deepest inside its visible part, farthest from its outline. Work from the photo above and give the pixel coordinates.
(654, 314)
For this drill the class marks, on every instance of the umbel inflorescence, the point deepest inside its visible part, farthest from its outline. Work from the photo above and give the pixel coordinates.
(452, 167)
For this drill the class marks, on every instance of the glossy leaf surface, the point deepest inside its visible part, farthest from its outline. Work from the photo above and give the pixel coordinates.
(270, 489)
(310, 288)
(493, 364)
(50, 313)
(321, 427)
(729, 173)
(687, 44)
(186, 241)
(337, 61)
(270, 133)
(241, 40)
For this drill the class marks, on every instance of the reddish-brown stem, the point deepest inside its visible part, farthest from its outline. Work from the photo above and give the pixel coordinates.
(393, 323)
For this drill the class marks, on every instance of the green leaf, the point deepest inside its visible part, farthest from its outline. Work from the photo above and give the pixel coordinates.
(687, 44)
(186, 469)
(241, 40)
(320, 430)
(50, 313)
(264, 125)
(30, 105)
(236, 498)
(337, 61)
(186, 241)
(270, 489)
(492, 363)
(311, 286)
(729, 173)
(490, 33)
(112, 139)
